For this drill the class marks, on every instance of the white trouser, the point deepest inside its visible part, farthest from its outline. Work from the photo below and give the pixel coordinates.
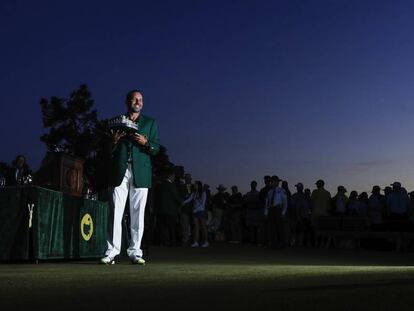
(137, 201)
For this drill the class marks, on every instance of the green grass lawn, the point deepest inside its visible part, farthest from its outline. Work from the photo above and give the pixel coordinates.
(236, 277)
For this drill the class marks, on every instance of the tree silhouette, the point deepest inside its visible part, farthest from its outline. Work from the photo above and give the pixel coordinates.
(71, 123)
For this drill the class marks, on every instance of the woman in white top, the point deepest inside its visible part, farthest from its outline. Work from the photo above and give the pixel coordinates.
(198, 199)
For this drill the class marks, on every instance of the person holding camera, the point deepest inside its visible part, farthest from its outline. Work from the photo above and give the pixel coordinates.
(198, 201)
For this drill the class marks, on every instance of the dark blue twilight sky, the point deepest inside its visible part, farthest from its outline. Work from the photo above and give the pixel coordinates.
(301, 89)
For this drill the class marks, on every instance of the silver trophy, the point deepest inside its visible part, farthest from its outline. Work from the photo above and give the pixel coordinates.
(27, 180)
(87, 193)
(122, 123)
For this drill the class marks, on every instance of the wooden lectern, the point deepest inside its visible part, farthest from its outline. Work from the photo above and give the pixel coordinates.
(62, 172)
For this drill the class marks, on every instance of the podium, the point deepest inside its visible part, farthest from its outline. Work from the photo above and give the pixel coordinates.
(42, 224)
(61, 172)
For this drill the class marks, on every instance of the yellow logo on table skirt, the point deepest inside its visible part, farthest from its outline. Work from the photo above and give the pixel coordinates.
(87, 227)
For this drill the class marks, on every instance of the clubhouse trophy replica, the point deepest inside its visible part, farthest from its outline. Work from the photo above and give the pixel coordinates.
(25, 180)
(122, 123)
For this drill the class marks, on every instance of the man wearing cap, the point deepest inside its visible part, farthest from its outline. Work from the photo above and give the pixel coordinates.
(321, 203)
(398, 203)
(276, 208)
(220, 200)
(131, 176)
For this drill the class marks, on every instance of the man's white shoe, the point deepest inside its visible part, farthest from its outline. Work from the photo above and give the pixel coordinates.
(138, 260)
(205, 244)
(107, 261)
(195, 244)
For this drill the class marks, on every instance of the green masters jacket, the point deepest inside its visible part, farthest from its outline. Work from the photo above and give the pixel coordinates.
(141, 161)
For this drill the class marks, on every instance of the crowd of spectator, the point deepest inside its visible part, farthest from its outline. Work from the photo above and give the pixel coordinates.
(188, 214)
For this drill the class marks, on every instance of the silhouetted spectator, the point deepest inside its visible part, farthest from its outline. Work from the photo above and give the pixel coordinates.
(264, 191)
(376, 208)
(398, 204)
(254, 215)
(362, 210)
(198, 200)
(411, 196)
(285, 186)
(411, 212)
(308, 194)
(358, 205)
(219, 201)
(235, 213)
(263, 197)
(209, 204)
(387, 191)
(167, 208)
(308, 234)
(340, 201)
(301, 205)
(186, 214)
(321, 204)
(353, 204)
(291, 217)
(321, 201)
(276, 208)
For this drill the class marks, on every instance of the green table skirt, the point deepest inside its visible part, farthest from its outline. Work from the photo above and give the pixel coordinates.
(62, 226)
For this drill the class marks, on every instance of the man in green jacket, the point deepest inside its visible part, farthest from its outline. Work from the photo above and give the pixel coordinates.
(130, 175)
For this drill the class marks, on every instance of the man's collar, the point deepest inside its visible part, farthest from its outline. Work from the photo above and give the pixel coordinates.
(136, 120)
